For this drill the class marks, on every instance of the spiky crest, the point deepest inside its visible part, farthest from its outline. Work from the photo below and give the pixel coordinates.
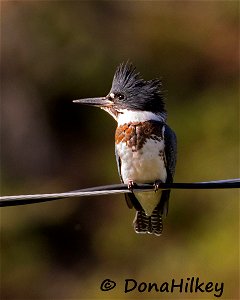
(138, 93)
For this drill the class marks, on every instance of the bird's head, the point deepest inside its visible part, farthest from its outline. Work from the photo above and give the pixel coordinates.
(130, 93)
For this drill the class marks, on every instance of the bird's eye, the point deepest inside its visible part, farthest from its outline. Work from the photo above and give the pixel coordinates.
(120, 96)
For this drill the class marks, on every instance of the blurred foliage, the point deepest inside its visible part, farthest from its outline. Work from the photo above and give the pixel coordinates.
(56, 51)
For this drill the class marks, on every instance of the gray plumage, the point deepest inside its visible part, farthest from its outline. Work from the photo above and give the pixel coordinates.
(145, 146)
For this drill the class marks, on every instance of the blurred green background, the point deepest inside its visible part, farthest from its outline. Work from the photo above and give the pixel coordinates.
(56, 51)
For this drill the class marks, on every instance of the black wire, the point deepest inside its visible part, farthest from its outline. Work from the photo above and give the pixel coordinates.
(115, 189)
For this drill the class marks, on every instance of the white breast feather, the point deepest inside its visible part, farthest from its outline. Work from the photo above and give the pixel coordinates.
(144, 166)
(126, 116)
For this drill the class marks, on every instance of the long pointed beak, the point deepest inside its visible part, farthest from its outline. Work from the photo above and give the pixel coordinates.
(99, 102)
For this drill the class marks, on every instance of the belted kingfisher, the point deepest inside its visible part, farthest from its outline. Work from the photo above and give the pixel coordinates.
(145, 146)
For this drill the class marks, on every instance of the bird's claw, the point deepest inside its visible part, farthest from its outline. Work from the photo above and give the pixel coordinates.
(157, 184)
(131, 185)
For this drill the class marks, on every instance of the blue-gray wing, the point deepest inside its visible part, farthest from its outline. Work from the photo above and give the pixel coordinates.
(170, 142)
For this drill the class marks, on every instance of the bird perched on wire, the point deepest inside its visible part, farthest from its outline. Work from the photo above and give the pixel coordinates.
(145, 146)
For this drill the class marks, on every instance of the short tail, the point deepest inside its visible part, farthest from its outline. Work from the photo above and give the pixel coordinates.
(148, 224)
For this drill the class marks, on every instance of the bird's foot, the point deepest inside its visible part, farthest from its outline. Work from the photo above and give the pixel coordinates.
(131, 185)
(157, 184)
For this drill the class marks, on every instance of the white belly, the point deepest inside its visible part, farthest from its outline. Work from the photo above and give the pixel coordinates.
(143, 166)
